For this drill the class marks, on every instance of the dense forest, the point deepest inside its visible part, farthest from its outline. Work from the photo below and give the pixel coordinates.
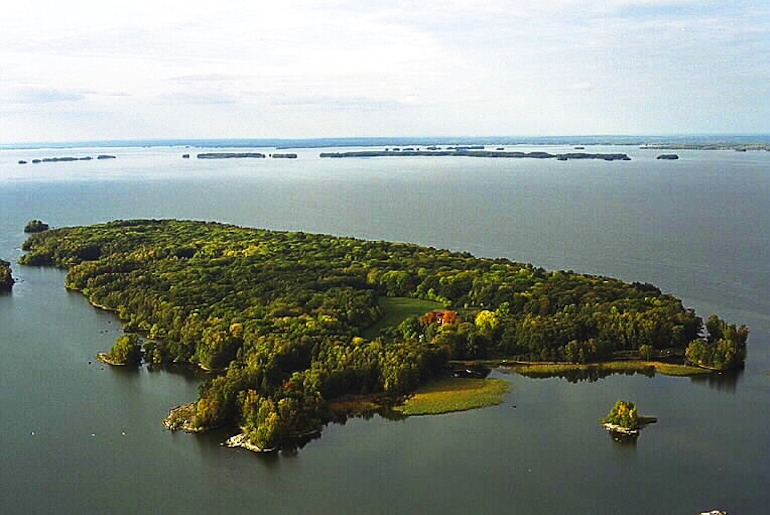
(286, 318)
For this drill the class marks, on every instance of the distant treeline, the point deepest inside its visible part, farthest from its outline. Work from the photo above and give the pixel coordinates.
(471, 152)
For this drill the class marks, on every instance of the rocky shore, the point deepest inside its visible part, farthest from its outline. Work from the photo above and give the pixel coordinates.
(105, 358)
(179, 418)
(614, 428)
(242, 440)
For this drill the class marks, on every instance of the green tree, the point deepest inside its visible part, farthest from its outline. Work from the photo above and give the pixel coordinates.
(623, 414)
(646, 352)
(35, 226)
(126, 350)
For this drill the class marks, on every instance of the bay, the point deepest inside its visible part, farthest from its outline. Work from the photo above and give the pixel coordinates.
(696, 227)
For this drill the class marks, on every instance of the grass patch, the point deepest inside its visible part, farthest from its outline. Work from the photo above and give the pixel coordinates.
(679, 370)
(669, 369)
(397, 309)
(349, 404)
(454, 394)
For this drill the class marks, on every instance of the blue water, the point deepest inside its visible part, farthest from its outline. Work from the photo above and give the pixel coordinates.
(696, 227)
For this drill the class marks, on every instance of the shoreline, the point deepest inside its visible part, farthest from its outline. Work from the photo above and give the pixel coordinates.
(617, 366)
(242, 440)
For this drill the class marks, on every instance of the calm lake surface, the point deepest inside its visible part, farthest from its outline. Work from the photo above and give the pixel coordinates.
(78, 437)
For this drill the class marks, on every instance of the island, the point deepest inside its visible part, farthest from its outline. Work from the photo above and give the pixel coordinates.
(288, 323)
(471, 152)
(738, 147)
(6, 277)
(34, 226)
(229, 155)
(669, 157)
(105, 156)
(624, 419)
(65, 159)
(290, 155)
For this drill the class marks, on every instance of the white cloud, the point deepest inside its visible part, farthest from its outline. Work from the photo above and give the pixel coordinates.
(450, 67)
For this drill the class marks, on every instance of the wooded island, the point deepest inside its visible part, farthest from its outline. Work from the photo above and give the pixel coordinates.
(291, 321)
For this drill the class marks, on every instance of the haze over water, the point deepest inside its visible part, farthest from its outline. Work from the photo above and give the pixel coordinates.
(696, 227)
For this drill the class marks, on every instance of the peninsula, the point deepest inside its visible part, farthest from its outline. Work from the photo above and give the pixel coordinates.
(289, 321)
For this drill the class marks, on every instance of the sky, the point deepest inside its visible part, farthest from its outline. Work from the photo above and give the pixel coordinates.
(87, 70)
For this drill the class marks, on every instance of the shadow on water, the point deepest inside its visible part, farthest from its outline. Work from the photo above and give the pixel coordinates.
(590, 374)
(721, 381)
(189, 373)
(622, 440)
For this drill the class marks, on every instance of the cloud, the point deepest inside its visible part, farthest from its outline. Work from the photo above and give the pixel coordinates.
(41, 95)
(350, 103)
(581, 86)
(481, 65)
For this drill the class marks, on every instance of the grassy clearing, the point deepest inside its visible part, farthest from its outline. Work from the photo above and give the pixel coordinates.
(397, 309)
(669, 369)
(454, 394)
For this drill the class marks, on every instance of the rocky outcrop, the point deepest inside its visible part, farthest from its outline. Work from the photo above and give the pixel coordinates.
(670, 157)
(614, 428)
(242, 440)
(180, 418)
(105, 156)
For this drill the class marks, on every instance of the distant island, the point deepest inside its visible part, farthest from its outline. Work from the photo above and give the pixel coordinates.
(468, 152)
(229, 155)
(6, 277)
(739, 147)
(66, 159)
(290, 322)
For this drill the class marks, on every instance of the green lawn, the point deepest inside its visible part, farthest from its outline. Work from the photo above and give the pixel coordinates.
(454, 394)
(397, 309)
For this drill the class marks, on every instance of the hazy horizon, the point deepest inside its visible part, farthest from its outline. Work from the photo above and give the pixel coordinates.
(79, 71)
(587, 139)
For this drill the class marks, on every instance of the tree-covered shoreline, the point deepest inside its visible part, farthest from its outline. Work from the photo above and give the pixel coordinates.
(6, 276)
(283, 316)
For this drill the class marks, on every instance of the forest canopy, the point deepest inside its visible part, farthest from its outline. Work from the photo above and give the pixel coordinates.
(287, 317)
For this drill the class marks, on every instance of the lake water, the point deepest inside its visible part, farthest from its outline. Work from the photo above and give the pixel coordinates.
(78, 437)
